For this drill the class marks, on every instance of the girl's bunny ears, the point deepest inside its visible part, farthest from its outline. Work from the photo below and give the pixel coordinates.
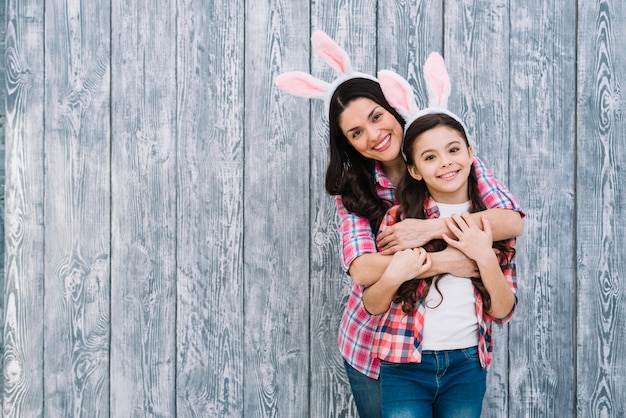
(302, 84)
(400, 95)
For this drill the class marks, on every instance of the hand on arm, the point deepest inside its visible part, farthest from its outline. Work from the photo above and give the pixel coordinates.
(412, 233)
(404, 265)
(477, 245)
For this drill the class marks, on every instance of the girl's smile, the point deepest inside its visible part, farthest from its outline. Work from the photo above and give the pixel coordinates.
(443, 160)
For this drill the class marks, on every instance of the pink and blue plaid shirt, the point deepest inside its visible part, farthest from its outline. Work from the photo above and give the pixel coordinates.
(399, 336)
(358, 328)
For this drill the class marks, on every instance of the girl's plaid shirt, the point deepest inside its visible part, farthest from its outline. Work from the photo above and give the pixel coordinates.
(358, 327)
(399, 336)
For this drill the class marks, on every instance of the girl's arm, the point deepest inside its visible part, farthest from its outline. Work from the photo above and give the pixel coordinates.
(476, 243)
(412, 233)
(378, 296)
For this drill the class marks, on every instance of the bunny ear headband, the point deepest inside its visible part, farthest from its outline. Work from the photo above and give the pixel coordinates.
(400, 95)
(302, 84)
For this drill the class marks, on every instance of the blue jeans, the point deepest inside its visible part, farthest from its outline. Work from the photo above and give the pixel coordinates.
(446, 384)
(365, 391)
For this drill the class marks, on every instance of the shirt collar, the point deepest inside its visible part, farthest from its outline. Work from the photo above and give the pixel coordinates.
(380, 178)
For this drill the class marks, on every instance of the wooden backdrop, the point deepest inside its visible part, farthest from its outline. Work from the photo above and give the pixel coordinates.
(170, 250)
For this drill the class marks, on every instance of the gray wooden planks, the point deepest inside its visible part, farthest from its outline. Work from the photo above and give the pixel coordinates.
(600, 210)
(77, 217)
(542, 140)
(210, 148)
(276, 217)
(23, 368)
(143, 208)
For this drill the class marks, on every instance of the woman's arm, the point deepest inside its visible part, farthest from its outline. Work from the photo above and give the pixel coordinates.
(412, 233)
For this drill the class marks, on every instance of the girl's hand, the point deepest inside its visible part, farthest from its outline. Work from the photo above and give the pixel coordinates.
(472, 241)
(458, 264)
(408, 264)
(408, 233)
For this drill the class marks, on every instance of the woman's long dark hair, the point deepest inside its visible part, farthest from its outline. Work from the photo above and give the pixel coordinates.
(349, 174)
(412, 194)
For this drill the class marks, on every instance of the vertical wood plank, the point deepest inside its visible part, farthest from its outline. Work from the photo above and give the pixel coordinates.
(477, 33)
(77, 216)
(23, 367)
(3, 94)
(210, 311)
(276, 207)
(542, 161)
(143, 183)
(352, 24)
(409, 30)
(600, 210)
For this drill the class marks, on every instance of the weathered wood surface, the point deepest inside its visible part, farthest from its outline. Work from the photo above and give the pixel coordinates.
(210, 148)
(165, 201)
(601, 210)
(23, 367)
(542, 158)
(77, 215)
(143, 209)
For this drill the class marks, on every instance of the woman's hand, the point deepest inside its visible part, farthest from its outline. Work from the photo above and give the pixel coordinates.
(408, 233)
(471, 240)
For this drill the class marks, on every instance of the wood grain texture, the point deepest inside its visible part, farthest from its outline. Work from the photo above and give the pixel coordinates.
(409, 30)
(276, 207)
(143, 198)
(210, 148)
(329, 285)
(77, 288)
(601, 209)
(542, 160)
(475, 33)
(23, 368)
(3, 94)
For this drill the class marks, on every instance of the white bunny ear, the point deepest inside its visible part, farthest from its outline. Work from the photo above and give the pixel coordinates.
(302, 84)
(331, 53)
(398, 93)
(437, 81)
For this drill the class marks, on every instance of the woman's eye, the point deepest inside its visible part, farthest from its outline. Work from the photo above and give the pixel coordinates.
(377, 116)
(355, 133)
(454, 149)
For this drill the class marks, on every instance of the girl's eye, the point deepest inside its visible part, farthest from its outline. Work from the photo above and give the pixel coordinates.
(454, 149)
(429, 158)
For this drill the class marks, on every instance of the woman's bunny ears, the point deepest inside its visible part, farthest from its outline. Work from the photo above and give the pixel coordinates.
(400, 95)
(302, 84)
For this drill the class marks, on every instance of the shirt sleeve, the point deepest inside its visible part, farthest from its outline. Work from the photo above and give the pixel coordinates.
(356, 235)
(494, 194)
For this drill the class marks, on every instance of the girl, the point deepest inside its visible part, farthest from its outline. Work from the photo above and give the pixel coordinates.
(434, 340)
(365, 163)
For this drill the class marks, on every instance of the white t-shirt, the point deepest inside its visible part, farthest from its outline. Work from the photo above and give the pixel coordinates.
(453, 324)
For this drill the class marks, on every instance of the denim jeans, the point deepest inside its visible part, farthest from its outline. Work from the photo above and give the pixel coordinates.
(446, 384)
(365, 391)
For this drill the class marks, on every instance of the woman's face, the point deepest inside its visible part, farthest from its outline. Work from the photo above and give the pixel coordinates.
(373, 131)
(443, 160)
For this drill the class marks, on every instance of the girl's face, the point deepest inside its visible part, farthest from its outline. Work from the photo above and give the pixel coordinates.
(443, 160)
(372, 130)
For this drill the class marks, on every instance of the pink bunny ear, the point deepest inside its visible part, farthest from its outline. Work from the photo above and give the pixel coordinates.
(437, 81)
(302, 84)
(398, 93)
(333, 54)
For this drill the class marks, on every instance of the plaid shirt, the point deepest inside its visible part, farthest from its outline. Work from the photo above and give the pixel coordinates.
(358, 327)
(399, 336)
